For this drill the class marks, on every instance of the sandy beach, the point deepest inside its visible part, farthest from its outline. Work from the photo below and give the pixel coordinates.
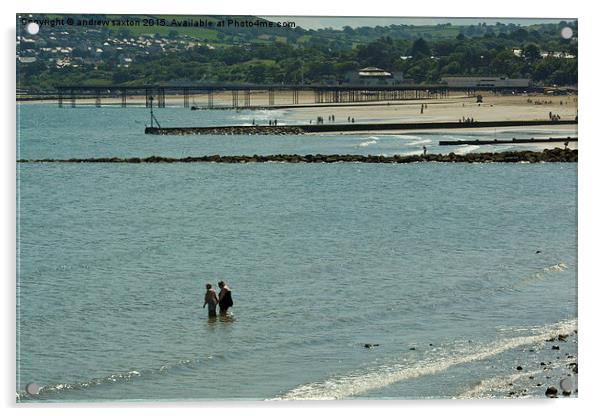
(494, 107)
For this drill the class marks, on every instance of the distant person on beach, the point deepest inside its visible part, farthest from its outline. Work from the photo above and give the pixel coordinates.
(424, 150)
(225, 298)
(211, 300)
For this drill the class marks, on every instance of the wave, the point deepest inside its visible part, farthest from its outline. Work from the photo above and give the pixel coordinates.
(413, 140)
(369, 141)
(118, 377)
(466, 149)
(482, 289)
(538, 276)
(360, 382)
(420, 142)
(484, 389)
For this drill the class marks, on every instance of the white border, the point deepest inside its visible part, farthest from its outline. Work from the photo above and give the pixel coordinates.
(589, 207)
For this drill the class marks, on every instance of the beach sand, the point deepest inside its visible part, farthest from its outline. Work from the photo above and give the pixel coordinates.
(494, 107)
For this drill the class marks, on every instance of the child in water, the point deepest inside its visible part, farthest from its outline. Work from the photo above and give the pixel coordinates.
(211, 300)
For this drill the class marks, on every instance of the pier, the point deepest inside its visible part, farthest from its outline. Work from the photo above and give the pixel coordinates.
(273, 95)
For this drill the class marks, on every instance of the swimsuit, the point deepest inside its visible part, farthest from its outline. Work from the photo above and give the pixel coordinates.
(226, 302)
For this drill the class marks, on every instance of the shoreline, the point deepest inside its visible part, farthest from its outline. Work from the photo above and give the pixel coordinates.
(548, 369)
(456, 107)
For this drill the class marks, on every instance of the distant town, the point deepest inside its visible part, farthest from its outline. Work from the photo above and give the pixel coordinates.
(502, 54)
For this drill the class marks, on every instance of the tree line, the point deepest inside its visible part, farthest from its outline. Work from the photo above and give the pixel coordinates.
(422, 60)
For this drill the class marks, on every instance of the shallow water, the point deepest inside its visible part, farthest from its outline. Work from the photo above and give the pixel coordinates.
(50, 132)
(322, 259)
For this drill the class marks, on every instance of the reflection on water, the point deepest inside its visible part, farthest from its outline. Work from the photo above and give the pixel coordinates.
(214, 321)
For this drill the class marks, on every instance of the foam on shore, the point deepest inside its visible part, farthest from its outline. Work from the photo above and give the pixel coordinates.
(357, 383)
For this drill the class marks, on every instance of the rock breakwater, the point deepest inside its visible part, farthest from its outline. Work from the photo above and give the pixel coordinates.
(548, 155)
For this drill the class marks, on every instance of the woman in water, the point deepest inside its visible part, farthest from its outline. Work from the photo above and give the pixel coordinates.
(211, 300)
(225, 298)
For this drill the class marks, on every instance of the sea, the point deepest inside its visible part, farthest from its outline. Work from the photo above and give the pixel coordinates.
(349, 280)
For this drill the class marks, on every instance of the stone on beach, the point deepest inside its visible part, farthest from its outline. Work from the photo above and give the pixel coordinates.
(551, 391)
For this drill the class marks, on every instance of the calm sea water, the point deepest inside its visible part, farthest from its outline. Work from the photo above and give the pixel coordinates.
(458, 272)
(50, 132)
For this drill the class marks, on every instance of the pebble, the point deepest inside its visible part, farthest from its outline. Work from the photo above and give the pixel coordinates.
(551, 391)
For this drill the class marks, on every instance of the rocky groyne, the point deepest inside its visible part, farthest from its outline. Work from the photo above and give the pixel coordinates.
(548, 155)
(225, 130)
(340, 128)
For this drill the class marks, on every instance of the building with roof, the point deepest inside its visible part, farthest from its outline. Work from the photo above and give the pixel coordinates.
(373, 76)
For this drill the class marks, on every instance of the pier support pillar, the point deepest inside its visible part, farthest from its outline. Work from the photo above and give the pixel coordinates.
(234, 98)
(271, 96)
(161, 98)
(186, 93)
(149, 97)
(210, 99)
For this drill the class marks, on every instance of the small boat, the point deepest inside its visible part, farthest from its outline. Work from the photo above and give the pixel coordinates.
(194, 107)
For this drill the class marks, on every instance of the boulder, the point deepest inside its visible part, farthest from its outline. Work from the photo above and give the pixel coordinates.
(552, 391)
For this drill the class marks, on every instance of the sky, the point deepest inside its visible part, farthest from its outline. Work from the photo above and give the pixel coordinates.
(315, 22)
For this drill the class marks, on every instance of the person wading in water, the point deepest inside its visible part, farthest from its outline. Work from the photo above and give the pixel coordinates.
(211, 300)
(225, 298)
